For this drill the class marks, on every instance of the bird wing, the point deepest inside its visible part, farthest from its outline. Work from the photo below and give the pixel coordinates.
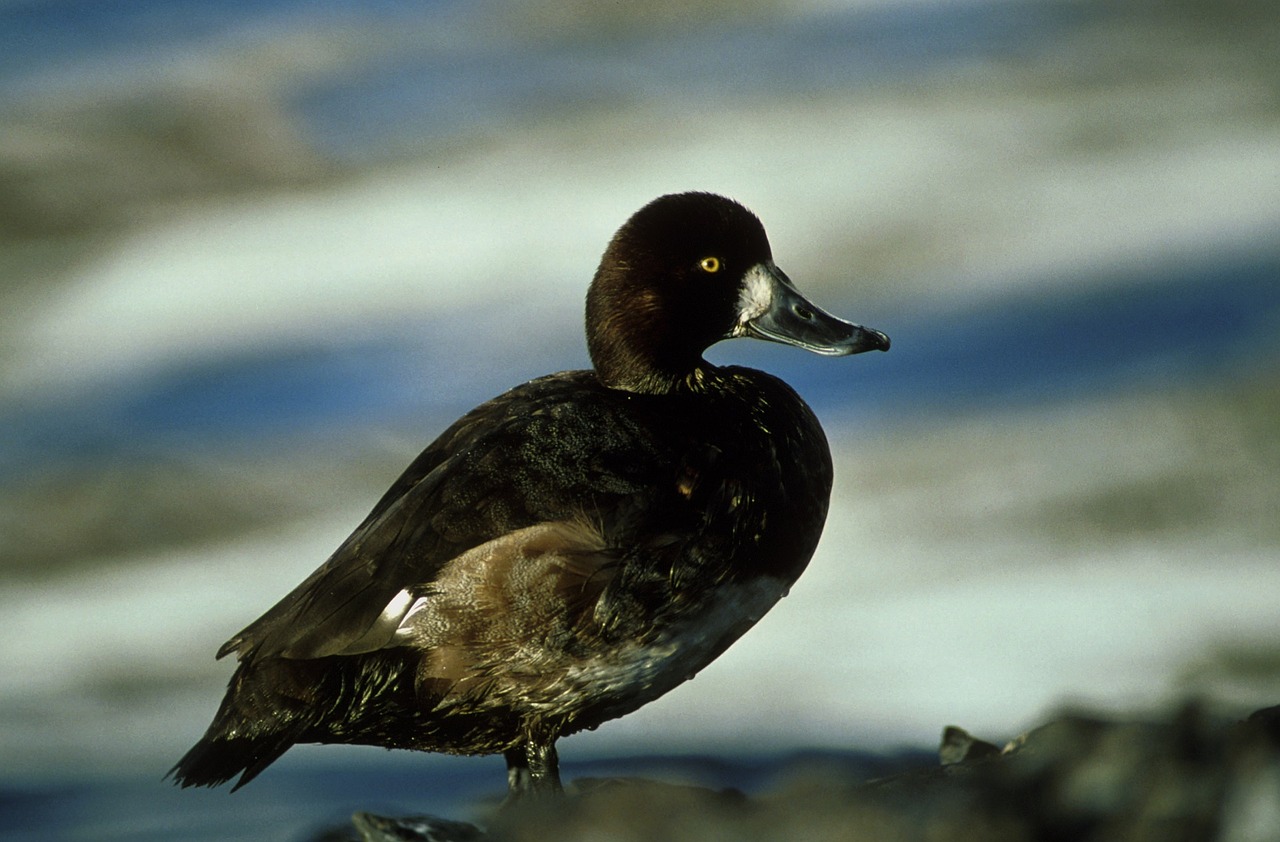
(550, 451)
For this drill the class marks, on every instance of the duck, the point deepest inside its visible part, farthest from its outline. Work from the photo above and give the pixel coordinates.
(572, 549)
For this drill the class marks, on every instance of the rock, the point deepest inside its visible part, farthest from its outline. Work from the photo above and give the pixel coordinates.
(1190, 778)
(958, 745)
(374, 828)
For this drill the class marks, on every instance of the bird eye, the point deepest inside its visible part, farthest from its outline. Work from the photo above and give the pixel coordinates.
(710, 264)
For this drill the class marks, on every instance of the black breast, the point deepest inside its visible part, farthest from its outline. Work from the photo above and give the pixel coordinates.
(751, 466)
(736, 466)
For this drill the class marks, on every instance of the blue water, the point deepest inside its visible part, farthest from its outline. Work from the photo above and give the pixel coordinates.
(486, 78)
(300, 801)
(427, 96)
(38, 36)
(1202, 324)
(1206, 323)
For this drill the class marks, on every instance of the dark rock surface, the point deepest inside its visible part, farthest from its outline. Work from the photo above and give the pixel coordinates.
(1188, 777)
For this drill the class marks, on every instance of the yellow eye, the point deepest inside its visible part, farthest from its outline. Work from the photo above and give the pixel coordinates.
(710, 264)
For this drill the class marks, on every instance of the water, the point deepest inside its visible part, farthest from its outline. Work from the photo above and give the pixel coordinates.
(1058, 484)
(1203, 323)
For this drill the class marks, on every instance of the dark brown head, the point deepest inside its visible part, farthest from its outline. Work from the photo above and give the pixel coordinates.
(686, 271)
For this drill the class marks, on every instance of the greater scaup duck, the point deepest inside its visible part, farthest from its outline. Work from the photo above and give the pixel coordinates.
(569, 550)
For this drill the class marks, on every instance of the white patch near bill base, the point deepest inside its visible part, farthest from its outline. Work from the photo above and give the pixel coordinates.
(756, 296)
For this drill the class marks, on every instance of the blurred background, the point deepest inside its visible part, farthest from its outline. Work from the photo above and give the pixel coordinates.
(255, 256)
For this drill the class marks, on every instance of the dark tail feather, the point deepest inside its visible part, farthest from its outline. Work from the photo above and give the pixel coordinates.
(274, 703)
(213, 762)
(261, 716)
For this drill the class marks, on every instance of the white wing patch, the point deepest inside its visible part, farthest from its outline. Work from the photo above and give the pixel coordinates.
(405, 630)
(387, 628)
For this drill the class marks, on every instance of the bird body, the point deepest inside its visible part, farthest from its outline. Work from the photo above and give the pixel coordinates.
(571, 549)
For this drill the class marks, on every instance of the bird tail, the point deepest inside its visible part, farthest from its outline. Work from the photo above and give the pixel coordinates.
(255, 724)
(274, 703)
(215, 760)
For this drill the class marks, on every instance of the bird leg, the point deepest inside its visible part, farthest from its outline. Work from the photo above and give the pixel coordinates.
(533, 769)
(518, 782)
